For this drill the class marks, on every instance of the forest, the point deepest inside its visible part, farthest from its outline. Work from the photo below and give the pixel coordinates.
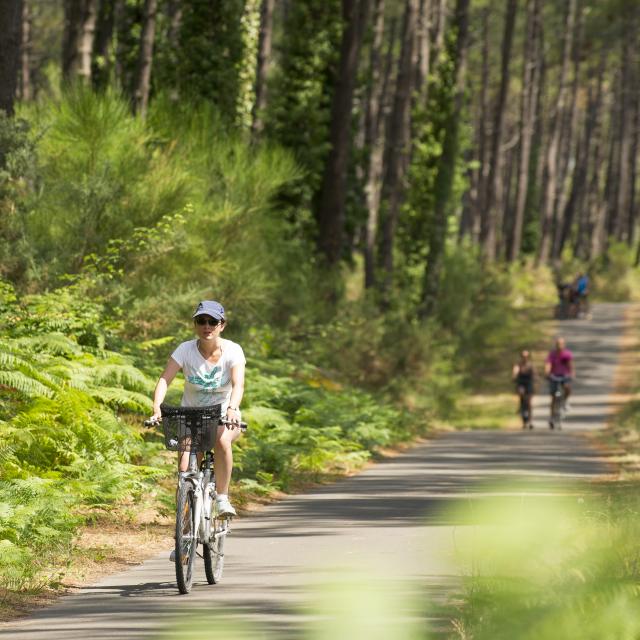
(383, 193)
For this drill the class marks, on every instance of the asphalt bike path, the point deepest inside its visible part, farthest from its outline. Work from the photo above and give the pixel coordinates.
(393, 523)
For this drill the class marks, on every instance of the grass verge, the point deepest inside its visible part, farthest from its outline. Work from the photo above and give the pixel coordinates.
(623, 435)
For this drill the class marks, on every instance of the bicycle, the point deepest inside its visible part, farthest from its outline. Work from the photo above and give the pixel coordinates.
(525, 399)
(584, 310)
(567, 307)
(557, 400)
(193, 429)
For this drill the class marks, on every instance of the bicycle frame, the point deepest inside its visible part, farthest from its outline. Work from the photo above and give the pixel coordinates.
(557, 401)
(203, 507)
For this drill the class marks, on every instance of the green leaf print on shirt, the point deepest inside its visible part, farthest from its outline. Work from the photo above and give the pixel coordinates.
(208, 381)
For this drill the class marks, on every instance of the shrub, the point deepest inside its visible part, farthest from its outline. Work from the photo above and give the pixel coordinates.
(616, 279)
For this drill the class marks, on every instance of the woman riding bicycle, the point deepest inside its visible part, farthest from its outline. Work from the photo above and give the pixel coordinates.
(559, 370)
(213, 369)
(523, 376)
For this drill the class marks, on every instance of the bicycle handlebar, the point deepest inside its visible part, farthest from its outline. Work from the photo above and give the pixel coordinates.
(223, 421)
(239, 425)
(556, 378)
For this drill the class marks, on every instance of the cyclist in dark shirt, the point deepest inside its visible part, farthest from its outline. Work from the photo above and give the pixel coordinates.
(523, 375)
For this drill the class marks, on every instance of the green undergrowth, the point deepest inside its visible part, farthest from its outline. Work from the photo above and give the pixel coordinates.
(616, 276)
(623, 432)
(67, 444)
(305, 426)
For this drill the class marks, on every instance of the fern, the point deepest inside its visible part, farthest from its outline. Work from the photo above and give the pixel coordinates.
(62, 430)
(122, 374)
(25, 384)
(53, 343)
(123, 398)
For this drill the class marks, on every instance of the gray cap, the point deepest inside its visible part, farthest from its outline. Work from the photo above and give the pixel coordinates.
(209, 308)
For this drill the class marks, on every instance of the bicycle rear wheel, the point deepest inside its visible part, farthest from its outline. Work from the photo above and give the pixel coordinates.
(186, 537)
(524, 411)
(556, 412)
(213, 553)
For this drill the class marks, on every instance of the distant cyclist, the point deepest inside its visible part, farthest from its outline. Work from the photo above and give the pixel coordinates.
(523, 376)
(559, 369)
(567, 301)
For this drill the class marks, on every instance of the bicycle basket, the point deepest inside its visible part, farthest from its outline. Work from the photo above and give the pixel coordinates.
(190, 428)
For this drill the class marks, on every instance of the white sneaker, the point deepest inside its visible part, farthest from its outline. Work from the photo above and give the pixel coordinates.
(224, 508)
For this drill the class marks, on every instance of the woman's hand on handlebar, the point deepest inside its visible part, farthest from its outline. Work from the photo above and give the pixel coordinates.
(233, 418)
(156, 418)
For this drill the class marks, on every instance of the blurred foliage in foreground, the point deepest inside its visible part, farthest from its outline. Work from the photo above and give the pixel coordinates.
(533, 567)
(553, 568)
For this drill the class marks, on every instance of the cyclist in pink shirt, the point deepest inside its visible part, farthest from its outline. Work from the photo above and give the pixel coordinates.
(559, 369)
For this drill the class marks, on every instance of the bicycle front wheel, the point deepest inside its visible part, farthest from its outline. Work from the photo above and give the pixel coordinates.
(186, 537)
(213, 553)
(556, 412)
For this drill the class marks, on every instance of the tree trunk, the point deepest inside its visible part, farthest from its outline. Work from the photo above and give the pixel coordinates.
(10, 27)
(536, 163)
(585, 211)
(578, 184)
(596, 202)
(333, 189)
(633, 166)
(101, 65)
(438, 24)
(175, 19)
(551, 163)
(504, 202)
(375, 120)
(447, 165)
(80, 24)
(567, 135)
(423, 50)
(624, 161)
(25, 91)
(87, 35)
(145, 58)
(490, 210)
(579, 188)
(262, 66)
(481, 174)
(122, 28)
(613, 168)
(399, 139)
(72, 22)
(529, 98)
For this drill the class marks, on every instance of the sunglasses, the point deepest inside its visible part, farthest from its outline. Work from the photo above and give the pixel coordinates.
(212, 322)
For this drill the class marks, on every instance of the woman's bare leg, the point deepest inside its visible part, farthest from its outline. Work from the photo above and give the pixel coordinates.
(223, 457)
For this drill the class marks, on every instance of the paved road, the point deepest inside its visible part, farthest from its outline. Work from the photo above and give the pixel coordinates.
(393, 522)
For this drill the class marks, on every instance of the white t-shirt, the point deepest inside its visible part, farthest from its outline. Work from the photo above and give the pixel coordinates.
(206, 384)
